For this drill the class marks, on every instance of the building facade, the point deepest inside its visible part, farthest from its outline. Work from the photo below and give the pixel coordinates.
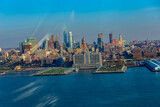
(33, 42)
(87, 60)
(70, 40)
(65, 34)
(110, 38)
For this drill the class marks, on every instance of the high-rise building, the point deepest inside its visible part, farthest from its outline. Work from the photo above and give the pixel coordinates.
(99, 41)
(83, 46)
(50, 44)
(27, 46)
(64, 46)
(147, 42)
(120, 37)
(65, 34)
(120, 40)
(115, 42)
(57, 45)
(57, 38)
(53, 38)
(33, 42)
(100, 35)
(70, 40)
(110, 38)
(93, 49)
(21, 47)
(45, 44)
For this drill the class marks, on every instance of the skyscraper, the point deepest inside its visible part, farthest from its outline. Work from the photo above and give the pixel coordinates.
(50, 44)
(110, 38)
(83, 46)
(120, 37)
(100, 35)
(53, 38)
(99, 41)
(33, 42)
(120, 40)
(65, 34)
(57, 45)
(45, 44)
(21, 47)
(70, 40)
(25, 46)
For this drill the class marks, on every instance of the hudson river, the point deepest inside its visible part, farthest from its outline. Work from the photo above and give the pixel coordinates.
(137, 87)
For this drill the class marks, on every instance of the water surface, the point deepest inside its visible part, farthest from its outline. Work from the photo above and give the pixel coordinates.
(137, 87)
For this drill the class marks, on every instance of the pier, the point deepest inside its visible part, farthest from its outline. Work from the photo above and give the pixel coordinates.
(122, 70)
(61, 71)
(153, 65)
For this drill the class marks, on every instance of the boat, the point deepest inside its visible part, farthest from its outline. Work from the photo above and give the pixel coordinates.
(76, 70)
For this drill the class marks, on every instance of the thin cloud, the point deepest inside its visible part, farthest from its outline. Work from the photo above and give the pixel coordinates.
(151, 9)
(72, 15)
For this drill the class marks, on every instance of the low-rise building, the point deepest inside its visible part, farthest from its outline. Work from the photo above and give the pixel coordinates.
(153, 64)
(137, 53)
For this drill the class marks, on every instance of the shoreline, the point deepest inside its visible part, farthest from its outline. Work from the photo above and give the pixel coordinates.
(37, 71)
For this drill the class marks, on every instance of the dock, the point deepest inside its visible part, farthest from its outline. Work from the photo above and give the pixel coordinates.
(3, 72)
(66, 72)
(123, 70)
(153, 65)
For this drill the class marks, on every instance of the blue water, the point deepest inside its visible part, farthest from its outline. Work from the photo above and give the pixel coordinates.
(137, 87)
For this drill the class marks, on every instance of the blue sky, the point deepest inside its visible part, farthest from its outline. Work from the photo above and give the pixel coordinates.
(134, 19)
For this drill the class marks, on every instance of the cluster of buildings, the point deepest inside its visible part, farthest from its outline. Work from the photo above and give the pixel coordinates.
(116, 42)
(28, 45)
(78, 54)
(144, 50)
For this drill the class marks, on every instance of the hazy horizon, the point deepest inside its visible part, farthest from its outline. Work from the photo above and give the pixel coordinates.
(134, 19)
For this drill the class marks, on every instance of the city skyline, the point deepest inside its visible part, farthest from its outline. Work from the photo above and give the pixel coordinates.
(75, 53)
(20, 20)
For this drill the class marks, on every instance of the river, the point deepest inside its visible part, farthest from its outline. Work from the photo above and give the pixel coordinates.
(138, 86)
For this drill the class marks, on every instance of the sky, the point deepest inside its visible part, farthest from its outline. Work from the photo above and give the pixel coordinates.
(134, 19)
